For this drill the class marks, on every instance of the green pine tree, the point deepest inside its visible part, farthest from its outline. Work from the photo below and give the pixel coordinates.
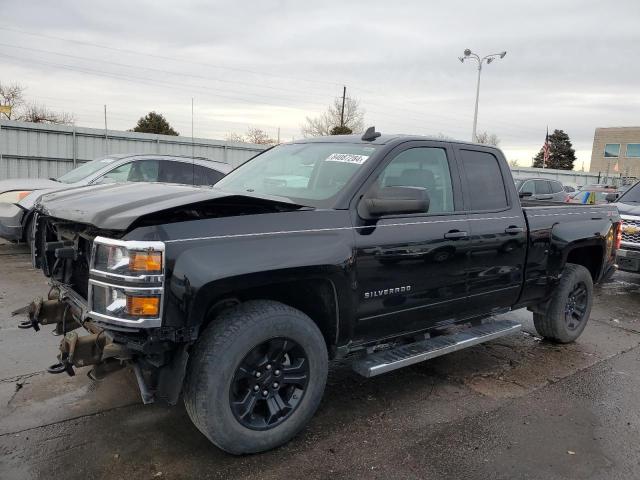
(344, 130)
(154, 122)
(561, 152)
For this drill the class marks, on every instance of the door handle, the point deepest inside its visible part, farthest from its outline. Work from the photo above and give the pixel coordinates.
(513, 229)
(455, 234)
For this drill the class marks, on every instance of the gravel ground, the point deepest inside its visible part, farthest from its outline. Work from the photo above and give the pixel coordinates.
(517, 407)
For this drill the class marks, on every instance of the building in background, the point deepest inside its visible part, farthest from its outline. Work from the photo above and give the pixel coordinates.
(616, 153)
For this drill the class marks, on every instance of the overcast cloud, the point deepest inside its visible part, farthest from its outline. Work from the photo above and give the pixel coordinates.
(571, 65)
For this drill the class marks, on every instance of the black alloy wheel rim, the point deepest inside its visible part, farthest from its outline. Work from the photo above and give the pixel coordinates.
(576, 306)
(269, 384)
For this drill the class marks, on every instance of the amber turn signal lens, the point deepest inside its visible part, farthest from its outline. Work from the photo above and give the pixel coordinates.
(145, 261)
(143, 306)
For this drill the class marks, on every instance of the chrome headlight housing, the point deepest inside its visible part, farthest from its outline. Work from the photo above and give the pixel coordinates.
(126, 282)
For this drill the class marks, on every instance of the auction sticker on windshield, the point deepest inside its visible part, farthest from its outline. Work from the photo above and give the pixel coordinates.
(347, 158)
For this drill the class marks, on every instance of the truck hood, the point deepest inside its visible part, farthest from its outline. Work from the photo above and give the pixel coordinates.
(118, 206)
(27, 184)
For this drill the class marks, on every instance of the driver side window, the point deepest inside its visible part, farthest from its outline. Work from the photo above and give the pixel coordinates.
(425, 167)
(117, 175)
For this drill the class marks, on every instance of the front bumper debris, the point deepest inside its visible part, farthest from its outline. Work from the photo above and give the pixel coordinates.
(628, 260)
(97, 348)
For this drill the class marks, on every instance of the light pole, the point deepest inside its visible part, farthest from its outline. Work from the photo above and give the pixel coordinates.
(468, 54)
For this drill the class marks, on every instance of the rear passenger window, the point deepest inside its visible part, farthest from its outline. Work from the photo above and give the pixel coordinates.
(176, 172)
(485, 183)
(206, 176)
(542, 187)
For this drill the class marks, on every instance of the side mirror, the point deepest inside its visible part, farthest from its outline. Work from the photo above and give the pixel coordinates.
(394, 201)
(525, 194)
(611, 197)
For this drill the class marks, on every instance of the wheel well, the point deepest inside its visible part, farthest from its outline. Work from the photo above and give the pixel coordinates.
(316, 298)
(589, 257)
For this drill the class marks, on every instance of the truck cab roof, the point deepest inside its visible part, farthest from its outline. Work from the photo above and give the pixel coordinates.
(386, 139)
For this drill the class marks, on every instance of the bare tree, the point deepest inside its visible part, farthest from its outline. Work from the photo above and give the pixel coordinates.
(253, 135)
(259, 136)
(234, 137)
(514, 163)
(11, 94)
(327, 121)
(488, 138)
(442, 136)
(41, 114)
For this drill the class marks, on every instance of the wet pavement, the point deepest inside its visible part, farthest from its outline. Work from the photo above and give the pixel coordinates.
(518, 407)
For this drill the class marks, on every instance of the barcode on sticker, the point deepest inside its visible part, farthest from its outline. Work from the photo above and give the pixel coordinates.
(347, 158)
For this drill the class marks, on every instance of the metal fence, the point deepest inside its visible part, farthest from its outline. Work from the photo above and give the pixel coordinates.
(567, 177)
(43, 151)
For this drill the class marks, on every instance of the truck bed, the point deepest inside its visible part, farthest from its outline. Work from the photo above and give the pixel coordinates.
(552, 225)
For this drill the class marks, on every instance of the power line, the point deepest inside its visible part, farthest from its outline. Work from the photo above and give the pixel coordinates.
(151, 69)
(163, 57)
(131, 78)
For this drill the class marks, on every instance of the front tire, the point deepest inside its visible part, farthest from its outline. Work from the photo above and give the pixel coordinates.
(568, 311)
(256, 376)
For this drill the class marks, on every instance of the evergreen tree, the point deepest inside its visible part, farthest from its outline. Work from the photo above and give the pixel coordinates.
(154, 122)
(561, 152)
(344, 130)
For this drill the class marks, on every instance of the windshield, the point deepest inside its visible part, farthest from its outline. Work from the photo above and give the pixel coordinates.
(632, 195)
(85, 170)
(309, 174)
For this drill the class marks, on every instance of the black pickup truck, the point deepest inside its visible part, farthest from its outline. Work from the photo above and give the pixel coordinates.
(389, 250)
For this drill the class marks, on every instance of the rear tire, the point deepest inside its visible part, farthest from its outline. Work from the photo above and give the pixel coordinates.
(223, 393)
(568, 311)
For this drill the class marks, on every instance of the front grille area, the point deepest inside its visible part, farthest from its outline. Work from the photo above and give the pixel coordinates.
(62, 252)
(631, 230)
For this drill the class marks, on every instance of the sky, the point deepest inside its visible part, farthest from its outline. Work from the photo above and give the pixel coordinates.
(570, 65)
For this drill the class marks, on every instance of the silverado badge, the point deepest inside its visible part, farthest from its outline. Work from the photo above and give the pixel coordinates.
(383, 292)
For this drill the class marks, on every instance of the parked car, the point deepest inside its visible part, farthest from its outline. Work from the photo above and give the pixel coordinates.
(238, 296)
(541, 189)
(589, 195)
(628, 204)
(17, 196)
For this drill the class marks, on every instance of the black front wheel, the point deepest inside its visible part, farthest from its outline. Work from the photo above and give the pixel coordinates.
(567, 313)
(256, 376)
(269, 383)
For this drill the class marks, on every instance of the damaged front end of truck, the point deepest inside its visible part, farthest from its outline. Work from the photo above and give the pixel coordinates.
(113, 290)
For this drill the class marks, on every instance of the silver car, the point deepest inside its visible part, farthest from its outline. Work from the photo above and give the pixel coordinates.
(541, 189)
(17, 196)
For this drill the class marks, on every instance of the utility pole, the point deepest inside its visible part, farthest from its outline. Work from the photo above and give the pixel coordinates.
(468, 54)
(344, 96)
(278, 135)
(106, 135)
(192, 144)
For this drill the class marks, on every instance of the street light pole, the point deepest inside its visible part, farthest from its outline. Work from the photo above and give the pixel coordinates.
(468, 54)
(475, 113)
